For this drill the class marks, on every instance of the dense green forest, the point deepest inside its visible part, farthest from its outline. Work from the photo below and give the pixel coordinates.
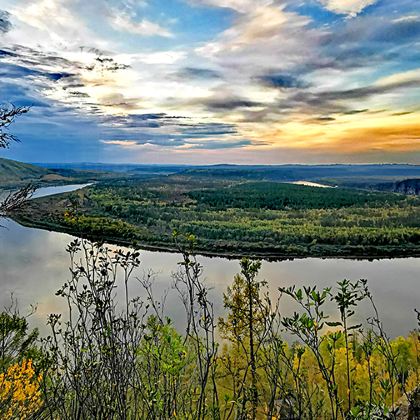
(276, 196)
(233, 217)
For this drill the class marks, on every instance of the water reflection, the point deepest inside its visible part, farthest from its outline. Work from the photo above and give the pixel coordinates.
(43, 192)
(34, 265)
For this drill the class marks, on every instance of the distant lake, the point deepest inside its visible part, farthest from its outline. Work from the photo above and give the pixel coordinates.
(43, 192)
(34, 265)
(311, 184)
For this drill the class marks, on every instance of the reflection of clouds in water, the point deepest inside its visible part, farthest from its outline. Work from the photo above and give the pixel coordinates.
(34, 265)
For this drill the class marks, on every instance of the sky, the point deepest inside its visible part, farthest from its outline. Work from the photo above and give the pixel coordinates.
(213, 81)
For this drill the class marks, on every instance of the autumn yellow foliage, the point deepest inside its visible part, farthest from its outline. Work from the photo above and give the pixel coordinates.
(20, 394)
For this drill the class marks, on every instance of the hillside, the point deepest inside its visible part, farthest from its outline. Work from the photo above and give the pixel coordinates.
(408, 186)
(14, 173)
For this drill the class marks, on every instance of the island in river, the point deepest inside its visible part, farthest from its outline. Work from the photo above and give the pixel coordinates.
(235, 217)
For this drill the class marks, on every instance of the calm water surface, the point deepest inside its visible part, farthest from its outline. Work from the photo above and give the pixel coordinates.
(34, 264)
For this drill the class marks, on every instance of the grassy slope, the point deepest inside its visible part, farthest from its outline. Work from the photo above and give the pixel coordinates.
(15, 173)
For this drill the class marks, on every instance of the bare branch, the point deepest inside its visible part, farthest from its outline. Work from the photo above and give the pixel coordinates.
(8, 113)
(16, 199)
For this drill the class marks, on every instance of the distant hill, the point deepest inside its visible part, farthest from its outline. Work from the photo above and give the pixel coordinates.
(335, 174)
(382, 177)
(14, 173)
(408, 186)
(128, 168)
(331, 174)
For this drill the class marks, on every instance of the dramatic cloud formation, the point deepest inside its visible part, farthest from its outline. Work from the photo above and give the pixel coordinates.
(213, 80)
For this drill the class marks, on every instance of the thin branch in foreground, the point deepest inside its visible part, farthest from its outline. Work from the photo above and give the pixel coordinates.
(16, 199)
(7, 117)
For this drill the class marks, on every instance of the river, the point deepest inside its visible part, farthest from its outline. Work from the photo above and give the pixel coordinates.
(34, 265)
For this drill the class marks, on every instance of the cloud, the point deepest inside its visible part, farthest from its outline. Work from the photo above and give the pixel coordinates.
(221, 145)
(121, 143)
(118, 100)
(179, 143)
(399, 30)
(53, 24)
(347, 7)
(267, 41)
(271, 73)
(199, 73)
(226, 104)
(332, 97)
(5, 24)
(143, 27)
(202, 130)
(281, 81)
(168, 131)
(242, 6)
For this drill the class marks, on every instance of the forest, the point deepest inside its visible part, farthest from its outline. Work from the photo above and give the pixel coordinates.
(231, 217)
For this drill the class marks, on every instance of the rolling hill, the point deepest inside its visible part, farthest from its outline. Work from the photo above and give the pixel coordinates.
(13, 173)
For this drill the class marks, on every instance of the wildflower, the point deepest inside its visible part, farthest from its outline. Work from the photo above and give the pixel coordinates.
(20, 395)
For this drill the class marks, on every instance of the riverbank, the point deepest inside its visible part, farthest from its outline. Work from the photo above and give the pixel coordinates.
(262, 220)
(348, 253)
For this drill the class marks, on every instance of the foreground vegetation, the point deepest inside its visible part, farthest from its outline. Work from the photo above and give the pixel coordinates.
(232, 217)
(110, 357)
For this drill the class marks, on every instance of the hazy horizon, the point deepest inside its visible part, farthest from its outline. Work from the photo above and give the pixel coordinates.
(222, 164)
